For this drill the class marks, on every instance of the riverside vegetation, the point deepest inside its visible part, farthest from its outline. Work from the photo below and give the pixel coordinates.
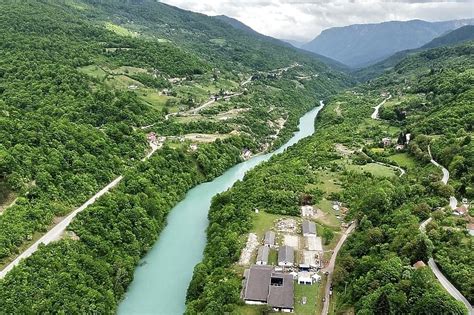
(373, 273)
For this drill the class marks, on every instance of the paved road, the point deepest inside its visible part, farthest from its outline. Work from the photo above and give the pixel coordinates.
(424, 224)
(443, 280)
(56, 232)
(59, 228)
(375, 114)
(449, 287)
(330, 267)
(445, 171)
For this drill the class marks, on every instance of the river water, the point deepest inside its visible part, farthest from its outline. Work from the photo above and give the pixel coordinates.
(161, 280)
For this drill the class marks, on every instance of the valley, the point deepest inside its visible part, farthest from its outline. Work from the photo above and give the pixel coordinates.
(154, 160)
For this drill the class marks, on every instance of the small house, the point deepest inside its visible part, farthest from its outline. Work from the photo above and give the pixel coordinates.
(460, 211)
(386, 142)
(269, 239)
(309, 228)
(304, 277)
(419, 264)
(262, 255)
(286, 256)
(470, 228)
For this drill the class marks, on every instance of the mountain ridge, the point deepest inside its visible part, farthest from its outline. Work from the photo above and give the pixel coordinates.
(361, 45)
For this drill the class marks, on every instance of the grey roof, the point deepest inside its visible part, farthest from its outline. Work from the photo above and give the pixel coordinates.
(286, 254)
(281, 296)
(309, 227)
(263, 253)
(256, 287)
(269, 238)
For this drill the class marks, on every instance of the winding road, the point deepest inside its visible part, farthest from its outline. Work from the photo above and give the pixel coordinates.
(330, 268)
(431, 263)
(442, 279)
(453, 202)
(375, 114)
(56, 232)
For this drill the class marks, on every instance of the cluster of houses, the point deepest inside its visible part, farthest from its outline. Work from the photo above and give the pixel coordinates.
(273, 285)
(153, 138)
(402, 141)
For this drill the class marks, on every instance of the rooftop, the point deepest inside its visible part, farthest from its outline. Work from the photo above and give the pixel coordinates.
(258, 279)
(269, 238)
(263, 253)
(286, 254)
(309, 227)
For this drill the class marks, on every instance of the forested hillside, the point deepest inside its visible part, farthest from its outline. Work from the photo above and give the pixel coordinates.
(82, 86)
(455, 37)
(431, 95)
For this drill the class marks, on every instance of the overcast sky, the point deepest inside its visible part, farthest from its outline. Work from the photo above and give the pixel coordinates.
(304, 19)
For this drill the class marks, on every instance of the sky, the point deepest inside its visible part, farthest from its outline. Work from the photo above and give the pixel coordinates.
(303, 20)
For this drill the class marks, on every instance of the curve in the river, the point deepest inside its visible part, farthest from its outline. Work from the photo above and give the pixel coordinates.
(160, 283)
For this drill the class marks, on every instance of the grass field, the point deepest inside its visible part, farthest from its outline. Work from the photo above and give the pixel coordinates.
(119, 30)
(154, 98)
(122, 82)
(263, 222)
(93, 71)
(329, 218)
(311, 292)
(403, 159)
(374, 169)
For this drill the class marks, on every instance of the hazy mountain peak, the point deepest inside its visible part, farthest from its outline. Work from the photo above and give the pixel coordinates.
(360, 45)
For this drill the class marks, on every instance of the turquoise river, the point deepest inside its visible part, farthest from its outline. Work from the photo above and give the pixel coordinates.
(161, 280)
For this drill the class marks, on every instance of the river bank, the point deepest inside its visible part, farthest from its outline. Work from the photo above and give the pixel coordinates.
(166, 270)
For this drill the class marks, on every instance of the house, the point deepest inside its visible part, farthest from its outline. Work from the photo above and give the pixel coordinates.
(309, 228)
(461, 211)
(470, 228)
(309, 259)
(262, 285)
(269, 239)
(280, 295)
(133, 87)
(262, 255)
(419, 264)
(193, 147)
(151, 137)
(386, 142)
(286, 256)
(305, 277)
(308, 211)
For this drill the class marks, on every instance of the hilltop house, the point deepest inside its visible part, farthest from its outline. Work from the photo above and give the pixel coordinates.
(262, 285)
(470, 228)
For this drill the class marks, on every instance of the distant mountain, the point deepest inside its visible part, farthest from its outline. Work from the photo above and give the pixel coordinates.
(365, 44)
(294, 43)
(462, 34)
(236, 24)
(459, 35)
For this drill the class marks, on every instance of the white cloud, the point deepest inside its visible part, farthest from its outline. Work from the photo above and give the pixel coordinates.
(303, 20)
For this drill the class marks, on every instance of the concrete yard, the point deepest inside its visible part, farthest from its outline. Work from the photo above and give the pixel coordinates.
(250, 247)
(291, 240)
